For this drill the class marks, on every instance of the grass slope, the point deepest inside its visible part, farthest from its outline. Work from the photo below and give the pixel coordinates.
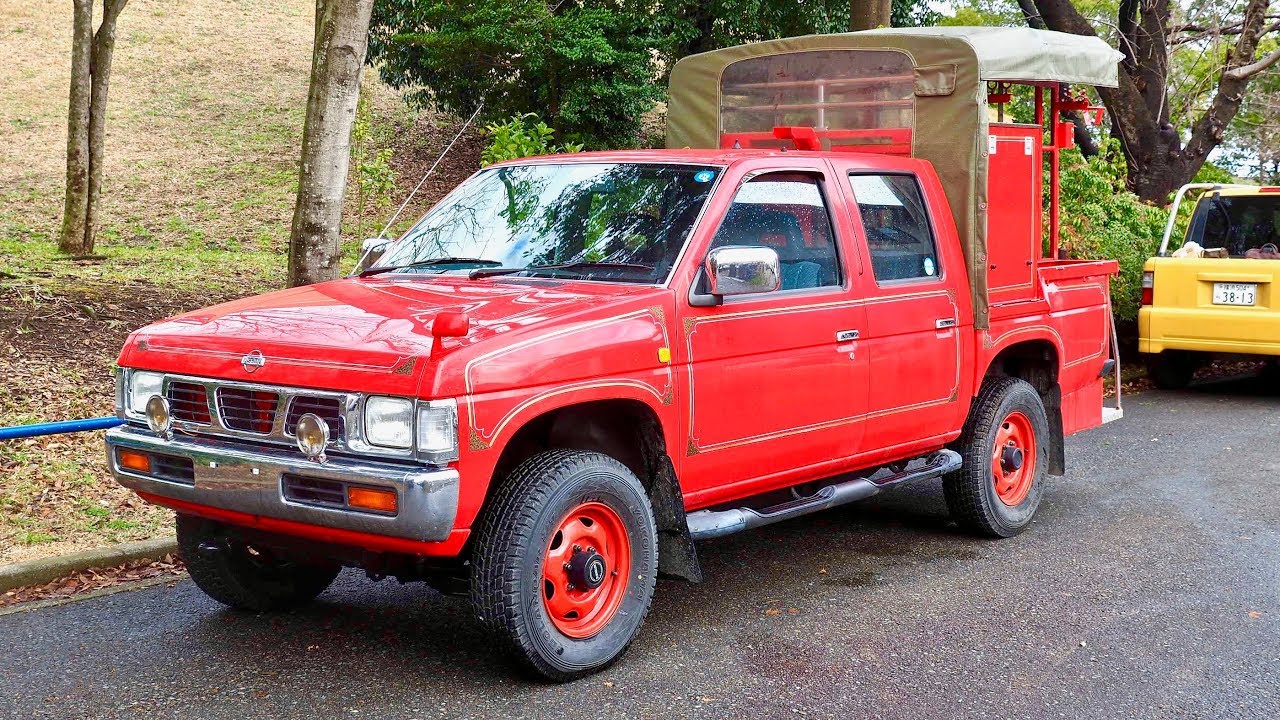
(205, 116)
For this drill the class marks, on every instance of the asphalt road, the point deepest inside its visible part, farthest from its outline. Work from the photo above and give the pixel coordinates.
(1149, 586)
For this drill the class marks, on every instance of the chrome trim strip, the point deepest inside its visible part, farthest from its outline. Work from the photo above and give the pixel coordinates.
(236, 477)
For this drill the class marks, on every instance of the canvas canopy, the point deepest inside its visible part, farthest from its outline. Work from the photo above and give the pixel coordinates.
(940, 99)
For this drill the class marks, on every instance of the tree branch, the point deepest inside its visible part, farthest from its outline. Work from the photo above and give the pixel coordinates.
(1031, 15)
(1210, 129)
(1125, 104)
(1244, 72)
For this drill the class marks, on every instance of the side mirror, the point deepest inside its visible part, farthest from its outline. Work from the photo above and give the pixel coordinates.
(372, 249)
(743, 270)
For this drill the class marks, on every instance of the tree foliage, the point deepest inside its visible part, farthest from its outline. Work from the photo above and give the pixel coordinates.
(521, 136)
(1102, 219)
(587, 67)
(590, 69)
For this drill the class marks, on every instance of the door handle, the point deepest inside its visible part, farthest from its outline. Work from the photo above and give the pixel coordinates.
(945, 323)
(846, 335)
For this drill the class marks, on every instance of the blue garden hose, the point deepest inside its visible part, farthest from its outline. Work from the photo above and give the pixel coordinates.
(54, 428)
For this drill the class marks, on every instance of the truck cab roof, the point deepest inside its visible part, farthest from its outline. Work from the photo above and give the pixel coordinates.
(721, 157)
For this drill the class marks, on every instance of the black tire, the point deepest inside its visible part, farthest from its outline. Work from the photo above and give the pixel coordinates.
(970, 491)
(518, 528)
(1171, 370)
(243, 576)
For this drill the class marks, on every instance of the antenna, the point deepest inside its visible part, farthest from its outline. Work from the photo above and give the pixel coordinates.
(416, 188)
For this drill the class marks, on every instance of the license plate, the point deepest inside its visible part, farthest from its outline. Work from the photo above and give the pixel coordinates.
(1235, 293)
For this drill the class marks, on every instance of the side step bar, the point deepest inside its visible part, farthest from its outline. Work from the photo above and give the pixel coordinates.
(704, 524)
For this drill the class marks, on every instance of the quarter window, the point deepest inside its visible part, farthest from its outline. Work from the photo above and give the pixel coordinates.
(786, 212)
(896, 223)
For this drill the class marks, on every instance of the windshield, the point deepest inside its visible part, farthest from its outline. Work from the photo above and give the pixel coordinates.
(620, 222)
(1246, 225)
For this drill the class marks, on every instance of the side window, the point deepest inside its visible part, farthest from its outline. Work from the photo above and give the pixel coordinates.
(896, 221)
(786, 212)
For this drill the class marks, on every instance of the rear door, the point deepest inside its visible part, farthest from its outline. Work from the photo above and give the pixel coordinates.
(915, 325)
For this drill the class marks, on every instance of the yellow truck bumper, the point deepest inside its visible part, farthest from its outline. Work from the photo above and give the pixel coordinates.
(1183, 316)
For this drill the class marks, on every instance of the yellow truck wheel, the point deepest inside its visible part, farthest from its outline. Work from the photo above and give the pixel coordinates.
(1171, 370)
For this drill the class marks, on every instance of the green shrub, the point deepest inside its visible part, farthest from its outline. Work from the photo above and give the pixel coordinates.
(521, 136)
(1101, 219)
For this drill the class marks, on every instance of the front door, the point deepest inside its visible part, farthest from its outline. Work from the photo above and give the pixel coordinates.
(778, 380)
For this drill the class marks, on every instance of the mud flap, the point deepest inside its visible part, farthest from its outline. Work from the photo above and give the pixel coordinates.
(1057, 442)
(677, 556)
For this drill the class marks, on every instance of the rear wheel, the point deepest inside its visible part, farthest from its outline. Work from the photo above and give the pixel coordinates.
(1171, 370)
(565, 562)
(997, 490)
(243, 575)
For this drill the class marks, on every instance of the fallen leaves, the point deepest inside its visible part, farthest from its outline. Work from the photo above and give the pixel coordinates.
(94, 579)
(778, 611)
(55, 492)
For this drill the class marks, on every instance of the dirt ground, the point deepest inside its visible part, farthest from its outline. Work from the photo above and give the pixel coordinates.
(58, 345)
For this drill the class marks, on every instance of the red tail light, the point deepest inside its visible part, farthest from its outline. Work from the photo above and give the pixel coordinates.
(1148, 287)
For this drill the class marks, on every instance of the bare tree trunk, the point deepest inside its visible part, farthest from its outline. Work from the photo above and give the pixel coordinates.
(71, 238)
(870, 14)
(104, 45)
(86, 124)
(341, 38)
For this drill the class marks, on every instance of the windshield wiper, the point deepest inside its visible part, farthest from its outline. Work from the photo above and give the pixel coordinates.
(429, 263)
(490, 272)
(587, 264)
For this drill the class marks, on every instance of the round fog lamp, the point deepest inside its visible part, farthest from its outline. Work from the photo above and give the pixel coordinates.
(313, 436)
(158, 417)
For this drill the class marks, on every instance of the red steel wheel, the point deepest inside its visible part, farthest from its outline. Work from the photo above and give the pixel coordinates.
(586, 568)
(1013, 458)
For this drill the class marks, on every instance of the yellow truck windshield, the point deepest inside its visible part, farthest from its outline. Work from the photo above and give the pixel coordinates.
(1246, 225)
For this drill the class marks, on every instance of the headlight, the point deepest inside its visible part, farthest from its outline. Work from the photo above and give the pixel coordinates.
(438, 430)
(388, 422)
(142, 385)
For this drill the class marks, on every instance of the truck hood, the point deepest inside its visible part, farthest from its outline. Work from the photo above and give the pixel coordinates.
(371, 334)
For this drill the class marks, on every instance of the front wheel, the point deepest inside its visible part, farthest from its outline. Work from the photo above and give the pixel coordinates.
(565, 562)
(1004, 446)
(243, 575)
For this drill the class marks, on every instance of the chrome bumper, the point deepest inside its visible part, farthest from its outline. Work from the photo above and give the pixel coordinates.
(248, 479)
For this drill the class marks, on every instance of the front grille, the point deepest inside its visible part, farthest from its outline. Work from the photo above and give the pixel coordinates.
(247, 410)
(263, 413)
(326, 408)
(188, 402)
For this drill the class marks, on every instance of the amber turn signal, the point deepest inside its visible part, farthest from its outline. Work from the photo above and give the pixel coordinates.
(135, 461)
(371, 499)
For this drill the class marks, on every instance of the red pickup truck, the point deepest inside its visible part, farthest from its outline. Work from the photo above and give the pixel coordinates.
(574, 367)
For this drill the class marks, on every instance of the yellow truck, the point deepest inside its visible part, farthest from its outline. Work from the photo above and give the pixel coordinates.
(1218, 292)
